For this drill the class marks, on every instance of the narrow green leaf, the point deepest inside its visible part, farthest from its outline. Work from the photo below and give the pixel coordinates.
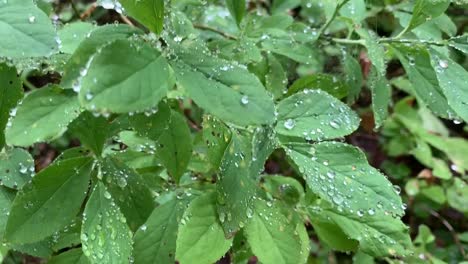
(217, 137)
(10, 93)
(236, 186)
(6, 199)
(222, 88)
(426, 10)
(237, 9)
(375, 51)
(72, 256)
(324, 82)
(155, 241)
(25, 30)
(94, 41)
(49, 202)
(272, 236)
(381, 96)
(105, 235)
(43, 115)
(353, 73)
(460, 43)
(199, 231)
(150, 13)
(139, 86)
(314, 115)
(16, 168)
(275, 78)
(92, 131)
(175, 146)
(130, 193)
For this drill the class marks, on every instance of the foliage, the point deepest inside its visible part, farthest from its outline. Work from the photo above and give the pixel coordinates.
(195, 131)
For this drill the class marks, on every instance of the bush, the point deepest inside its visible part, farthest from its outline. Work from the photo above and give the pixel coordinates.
(233, 131)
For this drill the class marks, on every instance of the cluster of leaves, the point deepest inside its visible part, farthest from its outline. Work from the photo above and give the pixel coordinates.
(178, 109)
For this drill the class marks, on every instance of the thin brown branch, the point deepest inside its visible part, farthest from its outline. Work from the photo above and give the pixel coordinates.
(450, 229)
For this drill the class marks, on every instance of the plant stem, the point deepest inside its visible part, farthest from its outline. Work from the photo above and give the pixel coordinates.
(222, 33)
(411, 41)
(330, 20)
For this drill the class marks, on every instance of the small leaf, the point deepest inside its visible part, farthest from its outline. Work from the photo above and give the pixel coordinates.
(199, 231)
(353, 73)
(105, 235)
(6, 199)
(175, 146)
(43, 115)
(150, 13)
(314, 115)
(49, 202)
(72, 34)
(381, 96)
(275, 78)
(375, 51)
(426, 10)
(272, 236)
(72, 256)
(25, 30)
(92, 131)
(139, 86)
(324, 82)
(10, 92)
(217, 137)
(150, 124)
(16, 168)
(237, 9)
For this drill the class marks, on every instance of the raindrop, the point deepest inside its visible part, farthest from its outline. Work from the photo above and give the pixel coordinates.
(334, 125)
(32, 19)
(338, 199)
(371, 211)
(443, 64)
(289, 124)
(245, 100)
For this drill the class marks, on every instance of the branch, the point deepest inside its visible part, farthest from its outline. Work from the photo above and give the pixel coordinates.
(330, 20)
(208, 28)
(450, 229)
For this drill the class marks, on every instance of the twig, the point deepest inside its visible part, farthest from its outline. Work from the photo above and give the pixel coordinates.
(450, 229)
(330, 20)
(224, 34)
(88, 11)
(126, 20)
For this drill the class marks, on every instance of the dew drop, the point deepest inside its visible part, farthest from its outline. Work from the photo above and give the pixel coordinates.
(289, 124)
(245, 100)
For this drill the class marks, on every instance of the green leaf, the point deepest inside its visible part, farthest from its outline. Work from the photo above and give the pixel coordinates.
(25, 30)
(324, 82)
(237, 9)
(460, 43)
(296, 51)
(10, 92)
(381, 96)
(199, 231)
(175, 146)
(155, 241)
(314, 115)
(139, 86)
(378, 234)
(457, 195)
(105, 235)
(72, 34)
(426, 10)
(130, 193)
(151, 125)
(282, 5)
(224, 89)
(453, 80)
(150, 13)
(353, 73)
(72, 256)
(375, 51)
(6, 199)
(49, 202)
(417, 64)
(272, 236)
(333, 236)
(339, 173)
(43, 115)
(354, 9)
(217, 137)
(16, 168)
(94, 41)
(236, 186)
(91, 130)
(275, 78)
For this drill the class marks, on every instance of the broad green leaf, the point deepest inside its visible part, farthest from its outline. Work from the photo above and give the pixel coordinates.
(10, 92)
(105, 236)
(224, 89)
(25, 30)
(272, 236)
(43, 115)
(16, 168)
(453, 81)
(332, 235)
(139, 86)
(426, 10)
(92, 131)
(155, 241)
(417, 64)
(294, 50)
(6, 199)
(237, 8)
(49, 202)
(324, 82)
(236, 186)
(354, 9)
(381, 96)
(339, 173)
(175, 146)
(263, 143)
(72, 34)
(282, 5)
(200, 230)
(457, 194)
(130, 193)
(94, 41)
(378, 234)
(150, 124)
(150, 13)
(285, 188)
(72, 256)
(217, 137)
(39, 249)
(315, 115)
(353, 77)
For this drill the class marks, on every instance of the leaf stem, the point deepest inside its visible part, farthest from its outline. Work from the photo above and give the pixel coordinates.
(208, 28)
(330, 20)
(412, 41)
